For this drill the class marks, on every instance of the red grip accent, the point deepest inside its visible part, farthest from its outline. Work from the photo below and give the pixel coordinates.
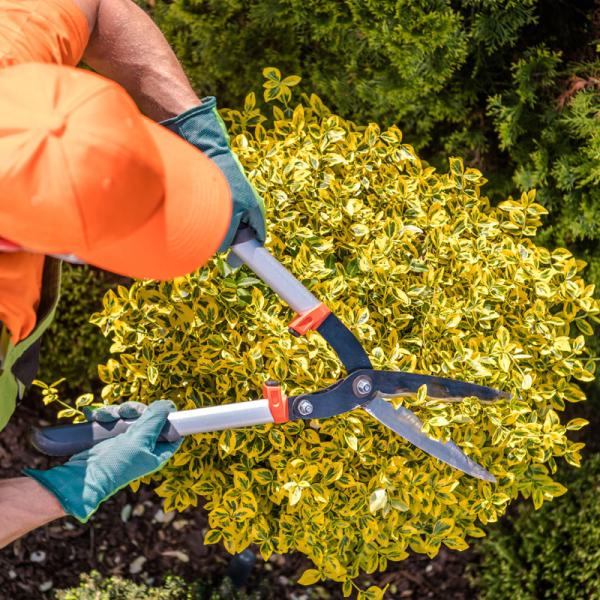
(277, 402)
(310, 320)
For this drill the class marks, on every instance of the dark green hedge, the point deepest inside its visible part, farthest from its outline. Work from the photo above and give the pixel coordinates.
(550, 554)
(72, 347)
(427, 65)
(553, 140)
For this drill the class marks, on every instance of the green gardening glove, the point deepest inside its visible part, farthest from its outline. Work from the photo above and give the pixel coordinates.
(92, 476)
(203, 128)
(113, 412)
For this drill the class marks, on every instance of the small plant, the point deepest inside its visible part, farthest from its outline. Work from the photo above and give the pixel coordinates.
(96, 587)
(432, 278)
(50, 394)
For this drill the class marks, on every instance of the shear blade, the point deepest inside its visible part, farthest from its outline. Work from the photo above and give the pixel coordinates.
(390, 383)
(406, 424)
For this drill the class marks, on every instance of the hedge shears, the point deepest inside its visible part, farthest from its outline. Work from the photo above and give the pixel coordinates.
(363, 387)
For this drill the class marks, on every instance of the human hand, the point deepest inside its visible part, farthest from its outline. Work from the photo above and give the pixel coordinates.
(203, 128)
(92, 476)
(114, 412)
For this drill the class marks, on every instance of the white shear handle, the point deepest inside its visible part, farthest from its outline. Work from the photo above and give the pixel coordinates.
(272, 272)
(65, 440)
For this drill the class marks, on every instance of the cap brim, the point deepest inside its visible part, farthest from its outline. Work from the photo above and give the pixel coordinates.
(189, 226)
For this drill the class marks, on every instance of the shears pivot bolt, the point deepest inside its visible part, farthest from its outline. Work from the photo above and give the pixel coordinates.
(305, 407)
(362, 386)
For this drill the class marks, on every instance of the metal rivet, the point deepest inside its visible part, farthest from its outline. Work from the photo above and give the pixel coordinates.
(362, 386)
(305, 407)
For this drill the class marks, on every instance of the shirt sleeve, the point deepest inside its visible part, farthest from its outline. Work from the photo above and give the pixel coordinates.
(48, 31)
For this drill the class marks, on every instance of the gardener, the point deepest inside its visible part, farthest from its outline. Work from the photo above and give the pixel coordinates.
(83, 174)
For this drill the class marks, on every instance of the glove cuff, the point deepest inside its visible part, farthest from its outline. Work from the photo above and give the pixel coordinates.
(203, 127)
(61, 486)
(206, 106)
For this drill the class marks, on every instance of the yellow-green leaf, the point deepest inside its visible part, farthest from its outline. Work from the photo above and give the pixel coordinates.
(309, 577)
(377, 500)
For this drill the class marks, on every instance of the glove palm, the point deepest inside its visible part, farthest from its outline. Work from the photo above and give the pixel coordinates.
(92, 476)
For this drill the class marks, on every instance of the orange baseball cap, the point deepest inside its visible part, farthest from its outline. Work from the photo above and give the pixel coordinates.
(83, 172)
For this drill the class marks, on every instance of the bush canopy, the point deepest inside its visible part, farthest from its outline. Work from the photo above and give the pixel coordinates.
(432, 278)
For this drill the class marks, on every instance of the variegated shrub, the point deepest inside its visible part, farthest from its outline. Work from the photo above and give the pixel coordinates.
(432, 278)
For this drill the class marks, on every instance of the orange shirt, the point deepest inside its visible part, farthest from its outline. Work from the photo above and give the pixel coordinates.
(49, 31)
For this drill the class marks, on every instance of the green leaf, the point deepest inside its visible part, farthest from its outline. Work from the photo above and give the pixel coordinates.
(84, 400)
(292, 80)
(359, 229)
(351, 440)
(422, 393)
(576, 424)
(442, 527)
(277, 438)
(295, 494)
(272, 74)
(67, 413)
(374, 593)
(263, 476)
(272, 93)
(250, 102)
(377, 500)
(309, 577)
(213, 536)
(152, 373)
(584, 327)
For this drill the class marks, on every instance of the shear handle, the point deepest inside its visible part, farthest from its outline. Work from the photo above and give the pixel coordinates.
(272, 272)
(312, 314)
(64, 440)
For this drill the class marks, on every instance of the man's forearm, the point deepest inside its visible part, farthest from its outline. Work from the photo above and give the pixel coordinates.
(25, 505)
(126, 46)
